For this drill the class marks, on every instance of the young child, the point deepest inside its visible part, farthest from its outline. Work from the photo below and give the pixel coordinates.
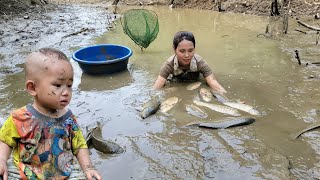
(45, 135)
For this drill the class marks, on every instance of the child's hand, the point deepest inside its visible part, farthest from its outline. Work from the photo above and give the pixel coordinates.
(92, 174)
(3, 169)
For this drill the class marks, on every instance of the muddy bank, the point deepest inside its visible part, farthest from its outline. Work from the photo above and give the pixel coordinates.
(59, 26)
(158, 146)
(257, 7)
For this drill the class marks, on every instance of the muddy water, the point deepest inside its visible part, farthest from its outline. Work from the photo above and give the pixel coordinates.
(261, 72)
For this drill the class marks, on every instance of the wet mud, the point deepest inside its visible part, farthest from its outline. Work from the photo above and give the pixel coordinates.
(159, 145)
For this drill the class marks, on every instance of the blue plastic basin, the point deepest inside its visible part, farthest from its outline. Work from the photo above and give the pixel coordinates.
(102, 58)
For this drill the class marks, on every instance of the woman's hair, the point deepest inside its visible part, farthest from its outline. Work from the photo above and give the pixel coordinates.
(183, 35)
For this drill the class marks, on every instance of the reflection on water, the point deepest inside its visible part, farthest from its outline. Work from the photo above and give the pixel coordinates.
(105, 82)
(253, 70)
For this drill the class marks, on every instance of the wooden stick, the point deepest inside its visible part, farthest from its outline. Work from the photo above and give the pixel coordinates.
(74, 33)
(297, 56)
(301, 31)
(308, 26)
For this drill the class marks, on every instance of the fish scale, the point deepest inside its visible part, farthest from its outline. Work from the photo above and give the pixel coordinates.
(218, 108)
(225, 123)
(243, 107)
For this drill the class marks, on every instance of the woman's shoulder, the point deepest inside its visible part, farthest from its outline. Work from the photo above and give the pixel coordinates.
(171, 58)
(197, 57)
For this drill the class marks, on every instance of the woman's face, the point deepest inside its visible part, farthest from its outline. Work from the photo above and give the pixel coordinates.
(185, 51)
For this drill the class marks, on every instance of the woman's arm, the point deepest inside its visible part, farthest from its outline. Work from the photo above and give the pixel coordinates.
(86, 165)
(213, 83)
(160, 82)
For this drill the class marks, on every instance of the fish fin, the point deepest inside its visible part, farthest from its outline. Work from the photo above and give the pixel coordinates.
(192, 125)
(311, 127)
(221, 98)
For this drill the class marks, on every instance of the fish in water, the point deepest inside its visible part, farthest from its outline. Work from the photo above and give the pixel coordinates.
(194, 85)
(95, 139)
(150, 107)
(166, 105)
(221, 98)
(294, 136)
(241, 106)
(196, 111)
(205, 94)
(218, 108)
(225, 123)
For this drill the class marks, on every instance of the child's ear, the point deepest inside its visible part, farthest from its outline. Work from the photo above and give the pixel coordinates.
(31, 87)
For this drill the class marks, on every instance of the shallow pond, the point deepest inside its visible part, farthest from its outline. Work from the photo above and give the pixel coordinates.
(252, 69)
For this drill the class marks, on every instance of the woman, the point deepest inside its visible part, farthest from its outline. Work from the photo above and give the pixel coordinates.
(185, 65)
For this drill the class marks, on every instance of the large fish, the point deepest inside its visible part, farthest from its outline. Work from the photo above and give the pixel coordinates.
(205, 94)
(241, 106)
(95, 139)
(225, 123)
(196, 111)
(311, 127)
(193, 85)
(166, 105)
(150, 108)
(218, 108)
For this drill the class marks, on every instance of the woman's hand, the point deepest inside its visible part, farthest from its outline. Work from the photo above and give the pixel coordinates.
(213, 83)
(160, 82)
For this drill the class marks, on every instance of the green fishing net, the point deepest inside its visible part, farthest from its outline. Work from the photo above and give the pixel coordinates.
(141, 25)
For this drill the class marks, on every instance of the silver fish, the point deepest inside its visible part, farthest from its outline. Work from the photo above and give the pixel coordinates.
(168, 104)
(194, 85)
(196, 111)
(218, 108)
(205, 94)
(225, 123)
(243, 107)
(150, 108)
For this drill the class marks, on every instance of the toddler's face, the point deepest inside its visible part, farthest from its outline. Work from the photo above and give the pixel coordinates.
(54, 88)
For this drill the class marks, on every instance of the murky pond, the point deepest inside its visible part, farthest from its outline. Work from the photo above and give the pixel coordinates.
(254, 70)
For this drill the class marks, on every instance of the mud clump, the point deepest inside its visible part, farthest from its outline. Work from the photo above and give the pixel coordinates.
(12, 7)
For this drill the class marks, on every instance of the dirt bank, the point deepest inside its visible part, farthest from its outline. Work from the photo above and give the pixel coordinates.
(258, 7)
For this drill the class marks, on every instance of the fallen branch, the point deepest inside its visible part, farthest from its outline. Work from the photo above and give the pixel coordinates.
(77, 32)
(74, 33)
(308, 26)
(266, 35)
(19, 31)
(301, 31)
